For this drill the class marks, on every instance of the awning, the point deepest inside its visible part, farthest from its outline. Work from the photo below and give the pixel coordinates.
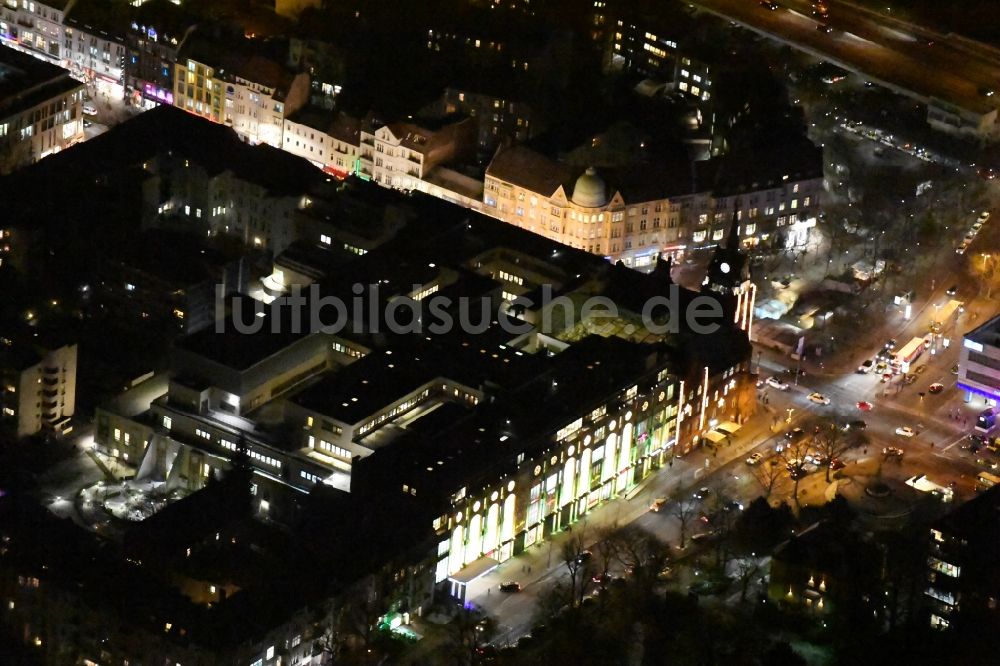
(474, 570)
(714, 437)
(728, 427)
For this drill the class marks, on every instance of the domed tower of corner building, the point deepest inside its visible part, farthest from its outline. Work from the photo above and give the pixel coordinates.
(590, 191)
(728, 277)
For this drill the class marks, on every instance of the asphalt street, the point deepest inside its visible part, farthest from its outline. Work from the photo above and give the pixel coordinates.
(928, 64)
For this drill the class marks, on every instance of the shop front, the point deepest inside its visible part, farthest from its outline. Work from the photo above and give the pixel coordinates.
(151, 96)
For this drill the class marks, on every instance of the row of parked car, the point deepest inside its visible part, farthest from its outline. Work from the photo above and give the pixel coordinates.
(970, 236)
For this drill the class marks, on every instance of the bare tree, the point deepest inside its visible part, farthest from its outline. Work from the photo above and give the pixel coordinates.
(683, 510)
(985, 269)
(767, 474)
(642, 554)
(468, 631)
(608, 544)
(579, 567)
(793, 457)
(551, 602)
(746, 570)
(831, 441)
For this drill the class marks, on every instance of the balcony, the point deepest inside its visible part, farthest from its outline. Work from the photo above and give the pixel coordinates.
(50, 381)
(51, 371)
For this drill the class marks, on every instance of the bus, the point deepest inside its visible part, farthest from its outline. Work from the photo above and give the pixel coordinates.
(907, 354)
(986, 480)
(944, 315)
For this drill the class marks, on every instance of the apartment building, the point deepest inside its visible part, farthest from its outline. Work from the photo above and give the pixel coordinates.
(40, 109)
(963, 586)
(95, 46)
(155, 35)
(37, 387)
(255, 200)
(633, 220)
(251, 93)
(661, 43)
(36, 28)
(656, 208)
(330, 141)
(498, 119)
(401, 154)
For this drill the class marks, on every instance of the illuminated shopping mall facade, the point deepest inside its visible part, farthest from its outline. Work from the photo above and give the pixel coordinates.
(496, 439)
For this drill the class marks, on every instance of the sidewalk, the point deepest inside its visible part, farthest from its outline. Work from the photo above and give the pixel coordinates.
(542, 561)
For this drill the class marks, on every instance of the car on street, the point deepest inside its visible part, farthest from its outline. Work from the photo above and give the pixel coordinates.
(974, 443)
(768, 4)
(602, 579)
(935, 387)
(510, 586)
(658, 504)
(702, 493)
(892, 451)
(795, 434)
(866, 367)
(984, 216)
(963, 246)
(819, 399)
(836, 464)
(89, 110)
(702, 536)
(857, 424)
(776, 383)
(754, 458)
(865, 406)
(905, 431)
(822, 27)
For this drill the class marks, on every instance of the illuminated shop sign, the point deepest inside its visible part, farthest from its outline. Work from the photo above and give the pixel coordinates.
(159, 94)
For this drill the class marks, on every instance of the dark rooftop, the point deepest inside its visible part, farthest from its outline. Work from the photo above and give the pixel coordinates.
(987, 333)
(26, 81)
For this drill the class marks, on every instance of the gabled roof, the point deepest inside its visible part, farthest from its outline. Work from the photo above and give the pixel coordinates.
(531, 170)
